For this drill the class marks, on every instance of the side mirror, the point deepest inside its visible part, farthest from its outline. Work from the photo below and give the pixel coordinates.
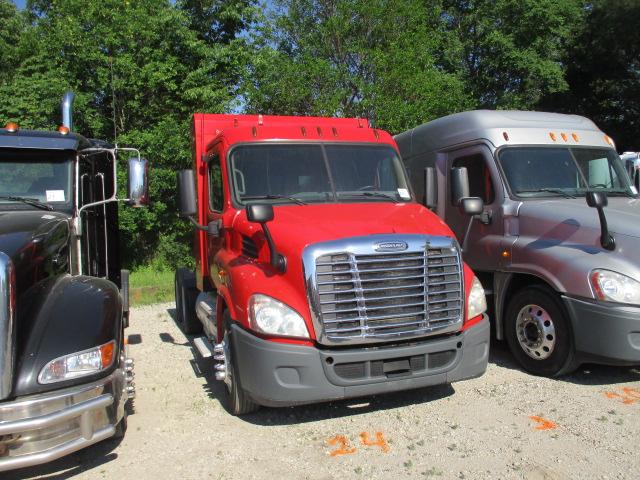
(597, 199)
(471, 205)
(459, 184)
(187, 206)
(138, 182)
(430, 188)
(259, 213)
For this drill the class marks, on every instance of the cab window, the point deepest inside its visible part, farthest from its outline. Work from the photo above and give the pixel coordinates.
(215, 185)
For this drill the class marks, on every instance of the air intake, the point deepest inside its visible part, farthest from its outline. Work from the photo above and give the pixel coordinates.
(66, 106)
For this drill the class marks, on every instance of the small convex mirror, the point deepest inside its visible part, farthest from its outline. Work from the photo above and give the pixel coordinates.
(138, 182)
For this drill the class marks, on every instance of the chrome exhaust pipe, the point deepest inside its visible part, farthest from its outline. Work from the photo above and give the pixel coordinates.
(66, 106)
(7, 325)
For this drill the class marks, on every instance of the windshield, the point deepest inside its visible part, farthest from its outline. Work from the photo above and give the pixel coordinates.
(307, 173)
(564, 171)
(43, 176)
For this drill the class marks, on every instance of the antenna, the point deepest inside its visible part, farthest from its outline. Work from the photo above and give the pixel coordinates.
(113, 102)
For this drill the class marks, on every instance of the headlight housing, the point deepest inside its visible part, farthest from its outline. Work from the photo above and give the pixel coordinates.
(614, 287)
(79, 364)
(477, 303)
(272, 317)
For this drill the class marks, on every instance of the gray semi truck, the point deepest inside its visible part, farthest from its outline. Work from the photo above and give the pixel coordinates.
(549, 221)
(65, 377)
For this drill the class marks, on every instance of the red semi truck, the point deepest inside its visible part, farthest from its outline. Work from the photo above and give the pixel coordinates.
(318, 276)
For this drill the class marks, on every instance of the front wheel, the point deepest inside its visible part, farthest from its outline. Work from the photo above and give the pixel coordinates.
(238, 402)
(539, 333)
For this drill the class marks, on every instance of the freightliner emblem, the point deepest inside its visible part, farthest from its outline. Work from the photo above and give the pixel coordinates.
(390, 246)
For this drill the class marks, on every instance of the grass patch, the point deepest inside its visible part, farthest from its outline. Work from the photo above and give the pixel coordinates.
(150, 285)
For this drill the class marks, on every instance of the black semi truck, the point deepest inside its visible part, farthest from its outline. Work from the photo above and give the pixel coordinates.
(65, 377)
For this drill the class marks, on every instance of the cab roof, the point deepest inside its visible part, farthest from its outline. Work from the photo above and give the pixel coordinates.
(256, 128)
(501, 127)
(43, 140)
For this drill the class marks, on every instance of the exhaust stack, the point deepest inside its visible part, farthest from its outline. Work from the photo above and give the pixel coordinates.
(66, 106)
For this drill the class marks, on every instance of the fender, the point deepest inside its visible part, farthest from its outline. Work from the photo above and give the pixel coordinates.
(63, 315)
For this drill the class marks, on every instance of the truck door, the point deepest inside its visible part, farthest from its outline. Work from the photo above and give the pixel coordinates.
(215, 207)
(485, 235)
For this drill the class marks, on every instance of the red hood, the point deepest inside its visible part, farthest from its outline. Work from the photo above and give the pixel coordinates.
(296, 226)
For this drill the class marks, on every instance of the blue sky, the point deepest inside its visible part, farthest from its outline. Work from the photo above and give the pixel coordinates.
(20, 3)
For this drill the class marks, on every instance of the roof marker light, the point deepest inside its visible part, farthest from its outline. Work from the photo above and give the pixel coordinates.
(506, 136)
(375, 132)
(575, 137)
(235, 122)
(11, 127)
(319, 131)
(254, 131)
(609, 140)
(553, 136)
(564, 136)
(260, 120)
(304, 131)
(335, 131)
(63, 130)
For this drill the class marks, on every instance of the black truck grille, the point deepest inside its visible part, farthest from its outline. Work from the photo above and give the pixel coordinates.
(388, 294)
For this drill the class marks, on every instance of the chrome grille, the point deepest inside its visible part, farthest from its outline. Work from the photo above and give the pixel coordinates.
(362, 295)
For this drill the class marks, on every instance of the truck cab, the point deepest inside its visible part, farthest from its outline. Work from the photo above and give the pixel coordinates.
(318, 276)
(555, 242)
(65, 377)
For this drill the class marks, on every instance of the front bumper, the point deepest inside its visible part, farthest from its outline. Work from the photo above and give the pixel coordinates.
(42, 428)
(276, 374)
(605, 333)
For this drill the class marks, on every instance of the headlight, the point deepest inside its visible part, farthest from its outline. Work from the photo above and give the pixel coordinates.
(615, 287)
(79, 364)
(477, 301)
(268, 315)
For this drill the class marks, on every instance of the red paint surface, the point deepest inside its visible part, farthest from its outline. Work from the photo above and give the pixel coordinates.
(294, 227)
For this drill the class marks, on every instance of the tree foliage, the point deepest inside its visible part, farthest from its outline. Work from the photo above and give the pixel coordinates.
(141, 68)
(603, 71)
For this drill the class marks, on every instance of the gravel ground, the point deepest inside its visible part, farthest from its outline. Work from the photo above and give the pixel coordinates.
(587, 426)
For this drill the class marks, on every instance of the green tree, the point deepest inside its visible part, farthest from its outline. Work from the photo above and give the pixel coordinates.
(509, 52)
(603, 71)
(353, 58)
(139, 70)
(12, 24)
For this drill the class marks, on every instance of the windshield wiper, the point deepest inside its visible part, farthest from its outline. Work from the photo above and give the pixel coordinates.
(275, 197)
(29, 201)
(368, 194)
(548, 190)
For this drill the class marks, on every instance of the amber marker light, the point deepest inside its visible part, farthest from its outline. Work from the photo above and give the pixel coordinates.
(609, 140)
(575, 137)
(506, 136)
(106, 353)
(505, 254)
(11, 127)
(553, 136)
(564, 136)
(63, 130)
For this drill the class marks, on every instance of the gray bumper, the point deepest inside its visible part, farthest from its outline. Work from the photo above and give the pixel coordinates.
(42, 428)
(605, 333)
(276, 374)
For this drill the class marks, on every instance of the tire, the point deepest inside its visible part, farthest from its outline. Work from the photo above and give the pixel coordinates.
(186, 294)
(237, 400)
(539, 333)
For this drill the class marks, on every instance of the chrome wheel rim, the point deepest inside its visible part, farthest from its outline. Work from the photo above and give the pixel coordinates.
(228, 380)
(536, 332)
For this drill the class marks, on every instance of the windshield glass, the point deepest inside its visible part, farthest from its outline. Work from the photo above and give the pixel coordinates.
(41, 176)
(307, 173)
(563, 171)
